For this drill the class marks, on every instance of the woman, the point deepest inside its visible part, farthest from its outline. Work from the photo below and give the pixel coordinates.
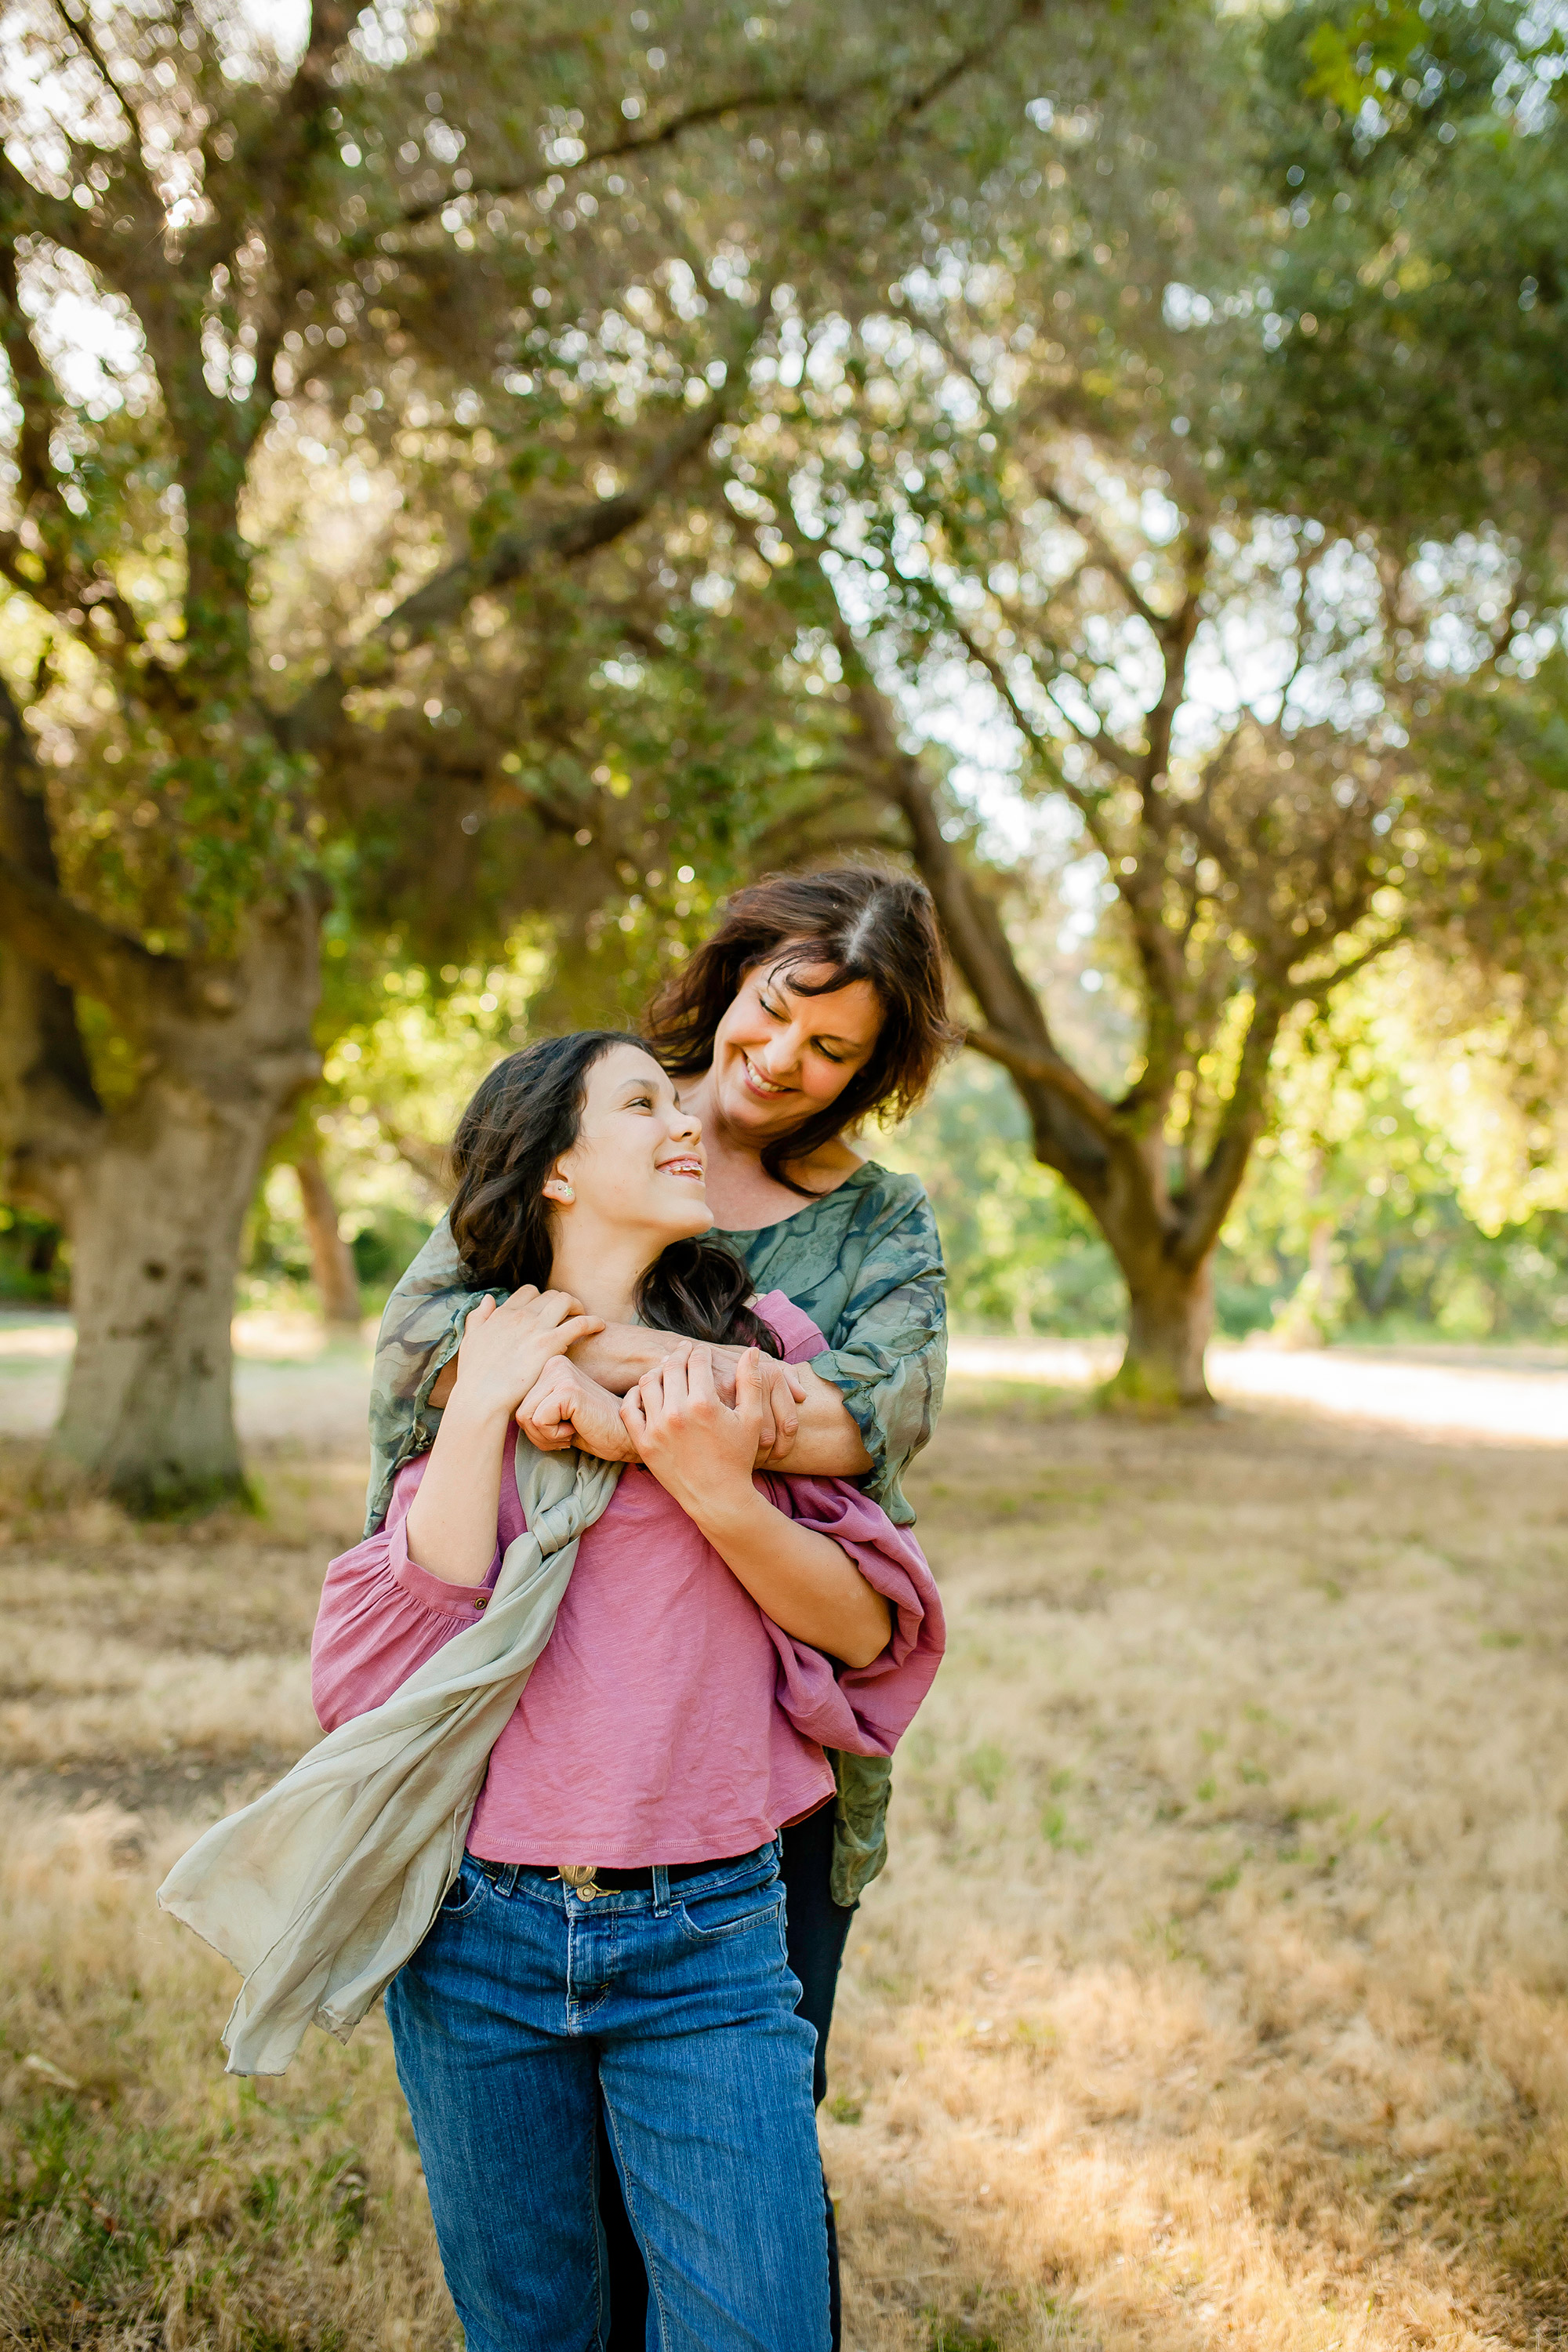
(816, 1002)
(613, 1932)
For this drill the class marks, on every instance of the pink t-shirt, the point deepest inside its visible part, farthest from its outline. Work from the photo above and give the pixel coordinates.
(666, 1718)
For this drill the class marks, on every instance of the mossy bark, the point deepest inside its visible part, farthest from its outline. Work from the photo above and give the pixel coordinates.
(1170, 1322)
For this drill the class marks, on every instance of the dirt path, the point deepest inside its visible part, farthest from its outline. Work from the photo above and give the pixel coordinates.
(1503, 1393)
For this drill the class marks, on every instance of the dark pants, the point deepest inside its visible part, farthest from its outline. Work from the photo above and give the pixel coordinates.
(815, 1930)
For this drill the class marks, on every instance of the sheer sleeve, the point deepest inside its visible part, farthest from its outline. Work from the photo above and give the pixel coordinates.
(420, 1328)
(890, 1360)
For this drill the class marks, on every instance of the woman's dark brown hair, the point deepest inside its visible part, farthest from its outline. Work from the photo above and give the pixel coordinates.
(862, 925)
(523, 1115)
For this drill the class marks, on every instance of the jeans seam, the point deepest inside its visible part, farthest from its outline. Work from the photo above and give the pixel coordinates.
(644, 2245)
(598, 2235)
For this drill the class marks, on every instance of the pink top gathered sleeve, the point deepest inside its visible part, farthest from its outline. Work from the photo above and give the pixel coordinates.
(381, 1614)
(864, 1710)
(667, 1719)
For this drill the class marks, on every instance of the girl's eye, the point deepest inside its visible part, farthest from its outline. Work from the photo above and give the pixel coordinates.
(826, 1056)
(775, 1010)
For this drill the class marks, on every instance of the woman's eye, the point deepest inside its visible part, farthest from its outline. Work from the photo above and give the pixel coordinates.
(829, 1057)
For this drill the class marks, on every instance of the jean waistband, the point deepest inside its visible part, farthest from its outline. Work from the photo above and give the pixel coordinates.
(610, 1881)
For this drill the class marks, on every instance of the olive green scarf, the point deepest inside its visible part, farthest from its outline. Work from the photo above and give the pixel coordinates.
(322, 1888)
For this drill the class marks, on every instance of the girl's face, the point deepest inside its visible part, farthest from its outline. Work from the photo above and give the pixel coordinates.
(779, 1057)
(636, 1169)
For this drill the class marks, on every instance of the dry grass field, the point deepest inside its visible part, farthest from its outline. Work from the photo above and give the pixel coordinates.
(1218, 1994)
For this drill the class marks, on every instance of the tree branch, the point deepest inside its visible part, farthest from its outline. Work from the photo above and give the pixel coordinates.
(1048, 1069)
(429, 1162)
(86, 40)
(1308, 991)
(1207, 1207)
(52, 932)
(1105, 555)
(510, 557)
(613, 151)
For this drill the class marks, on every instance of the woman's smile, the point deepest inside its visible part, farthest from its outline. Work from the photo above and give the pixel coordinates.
(687, 1164)
(764, 1087)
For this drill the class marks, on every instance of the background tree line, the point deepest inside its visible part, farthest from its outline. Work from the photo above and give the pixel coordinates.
(482, 481)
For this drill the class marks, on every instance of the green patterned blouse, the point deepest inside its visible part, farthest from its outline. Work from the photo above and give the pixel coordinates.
(864, 1261)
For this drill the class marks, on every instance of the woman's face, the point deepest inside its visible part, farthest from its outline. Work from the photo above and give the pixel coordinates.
(780, 1056)
(637, 1166)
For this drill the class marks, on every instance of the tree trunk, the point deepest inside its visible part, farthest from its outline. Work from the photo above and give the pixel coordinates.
(1169, 1324)
(333, 1268)
(155, 1238)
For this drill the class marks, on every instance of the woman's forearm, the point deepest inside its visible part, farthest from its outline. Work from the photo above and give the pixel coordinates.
(806, 1582)
(452, 1519)
(826, 1444)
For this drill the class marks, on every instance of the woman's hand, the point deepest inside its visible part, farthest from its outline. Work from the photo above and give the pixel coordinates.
(699, 1449)
(566, 1408)
(505, 1349)
(781, 1388)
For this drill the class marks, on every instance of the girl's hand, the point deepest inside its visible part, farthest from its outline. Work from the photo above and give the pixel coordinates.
(701, 1451)
(566, 1408)
(505, 1349)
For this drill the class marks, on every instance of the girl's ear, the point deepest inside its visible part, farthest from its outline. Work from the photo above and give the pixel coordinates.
(558, 1188)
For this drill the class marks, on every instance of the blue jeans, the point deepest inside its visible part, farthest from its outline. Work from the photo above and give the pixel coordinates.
(522, 2008)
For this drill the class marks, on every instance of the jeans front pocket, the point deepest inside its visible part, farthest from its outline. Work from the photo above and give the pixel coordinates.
(463, 1894)
(722, 1911)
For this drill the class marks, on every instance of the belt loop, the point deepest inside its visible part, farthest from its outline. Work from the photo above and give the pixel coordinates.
(661, 1888)
(508, 1879)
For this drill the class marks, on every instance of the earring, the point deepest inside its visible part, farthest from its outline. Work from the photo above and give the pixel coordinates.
(562, 1189)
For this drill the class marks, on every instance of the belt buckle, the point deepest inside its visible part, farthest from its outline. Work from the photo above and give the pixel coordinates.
(579, 1876)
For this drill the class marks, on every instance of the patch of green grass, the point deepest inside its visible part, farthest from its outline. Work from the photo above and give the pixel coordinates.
(983, 1768)
(107, 2227)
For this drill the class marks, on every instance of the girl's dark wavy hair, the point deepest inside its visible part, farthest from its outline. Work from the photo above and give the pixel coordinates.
(863, 924)
(523, 1115)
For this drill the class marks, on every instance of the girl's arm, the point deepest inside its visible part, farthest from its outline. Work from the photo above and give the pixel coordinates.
(452, 1525)
(382, 1615)
(703, 1452)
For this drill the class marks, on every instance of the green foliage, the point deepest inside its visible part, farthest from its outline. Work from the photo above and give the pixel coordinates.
(1022, 1252)
(35, 1265)
(1412, 366)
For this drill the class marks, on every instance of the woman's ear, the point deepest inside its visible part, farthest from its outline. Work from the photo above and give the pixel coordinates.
(558, 1188)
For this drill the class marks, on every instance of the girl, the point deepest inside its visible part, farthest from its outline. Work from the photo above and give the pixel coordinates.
(615, 1931)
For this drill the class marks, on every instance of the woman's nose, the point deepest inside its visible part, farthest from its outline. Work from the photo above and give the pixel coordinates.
(779, 1055)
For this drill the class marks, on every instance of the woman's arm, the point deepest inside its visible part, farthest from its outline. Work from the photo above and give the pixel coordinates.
(887, 1359)
(806, 1425)
(703, 1452)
